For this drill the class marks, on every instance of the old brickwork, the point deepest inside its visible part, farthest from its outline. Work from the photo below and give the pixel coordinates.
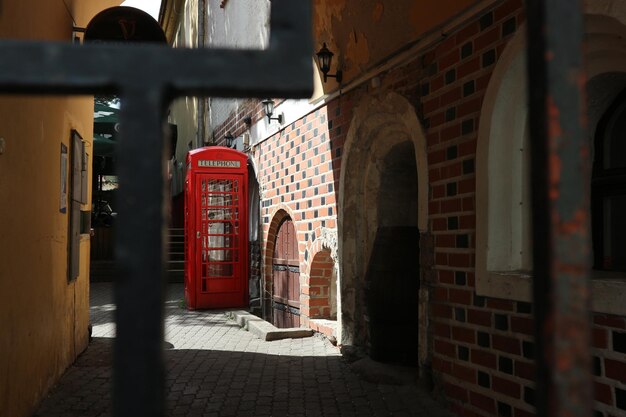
(298, 176)
(481, 349)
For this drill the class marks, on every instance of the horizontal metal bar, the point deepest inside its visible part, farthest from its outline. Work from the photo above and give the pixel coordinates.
(60, 68)
(283, 70)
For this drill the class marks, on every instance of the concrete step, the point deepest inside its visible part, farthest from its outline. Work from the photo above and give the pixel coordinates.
(264, 330)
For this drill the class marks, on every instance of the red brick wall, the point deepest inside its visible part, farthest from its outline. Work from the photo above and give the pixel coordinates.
(609, 363)
(318, 289)
(483, 348)
(298, 173)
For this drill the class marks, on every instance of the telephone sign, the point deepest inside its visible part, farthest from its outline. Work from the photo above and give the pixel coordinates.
(219, 164)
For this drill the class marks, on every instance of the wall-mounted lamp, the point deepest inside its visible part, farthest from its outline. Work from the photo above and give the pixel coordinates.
(324, 59)
(268, 107)
(229, 139)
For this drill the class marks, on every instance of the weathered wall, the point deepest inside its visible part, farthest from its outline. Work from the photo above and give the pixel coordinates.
(238, 25)
(353, 29)
(83, 10)
(43, 318)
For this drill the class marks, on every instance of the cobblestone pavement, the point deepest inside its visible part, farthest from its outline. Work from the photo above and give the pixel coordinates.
(217, 369)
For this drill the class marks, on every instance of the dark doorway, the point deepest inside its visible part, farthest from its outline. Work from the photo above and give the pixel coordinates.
(392, 278)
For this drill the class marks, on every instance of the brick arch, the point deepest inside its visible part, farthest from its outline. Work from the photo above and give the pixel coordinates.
(318, 284)
(321, 275)
(323, 239)
(280, 213)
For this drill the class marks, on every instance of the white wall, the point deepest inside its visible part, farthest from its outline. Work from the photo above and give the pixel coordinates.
(241, 24)
(184, 111)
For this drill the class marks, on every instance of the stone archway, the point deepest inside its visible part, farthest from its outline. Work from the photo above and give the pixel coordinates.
(384, 142)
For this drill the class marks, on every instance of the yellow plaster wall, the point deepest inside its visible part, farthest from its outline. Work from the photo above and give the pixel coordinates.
(362, 33)
(43, 319)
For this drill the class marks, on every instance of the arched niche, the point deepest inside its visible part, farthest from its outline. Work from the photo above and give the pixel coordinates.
(384, 134)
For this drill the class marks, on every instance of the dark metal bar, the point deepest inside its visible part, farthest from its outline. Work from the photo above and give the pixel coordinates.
(138, 360)
(561, 233)
(146, 76)
(283, 70)
(74, 69)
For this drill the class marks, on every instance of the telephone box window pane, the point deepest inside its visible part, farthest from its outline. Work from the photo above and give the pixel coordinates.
(223, 255)
(216, 200)
(219, 228)
(221, 213)
(220, 242)
(220, 186)
(220, 270)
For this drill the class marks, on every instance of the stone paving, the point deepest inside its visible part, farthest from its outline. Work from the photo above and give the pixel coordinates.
(215, 368)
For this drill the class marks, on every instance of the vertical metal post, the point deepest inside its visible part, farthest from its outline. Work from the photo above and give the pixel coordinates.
(139, 368)
(62, 68)
(561, 233)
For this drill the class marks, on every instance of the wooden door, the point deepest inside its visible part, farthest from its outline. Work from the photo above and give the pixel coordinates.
(286, 277)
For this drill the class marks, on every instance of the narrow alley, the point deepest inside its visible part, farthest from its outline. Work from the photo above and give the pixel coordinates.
(215, 368)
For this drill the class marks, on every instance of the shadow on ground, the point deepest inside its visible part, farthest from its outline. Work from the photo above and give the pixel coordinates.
(229, 383)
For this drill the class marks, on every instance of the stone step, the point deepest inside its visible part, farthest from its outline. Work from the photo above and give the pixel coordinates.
(264, 330)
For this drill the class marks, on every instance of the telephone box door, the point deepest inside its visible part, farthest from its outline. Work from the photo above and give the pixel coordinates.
(220, 240)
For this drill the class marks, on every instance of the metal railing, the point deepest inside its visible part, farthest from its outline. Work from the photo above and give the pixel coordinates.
(147, 77)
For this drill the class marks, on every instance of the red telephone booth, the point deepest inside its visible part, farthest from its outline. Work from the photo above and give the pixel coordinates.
(216, 228)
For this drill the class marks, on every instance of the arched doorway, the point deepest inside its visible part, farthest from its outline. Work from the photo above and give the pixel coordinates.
(384, 194)
(286, 277)
(392, 276)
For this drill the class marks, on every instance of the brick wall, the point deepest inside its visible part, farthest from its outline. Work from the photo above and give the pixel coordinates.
(609, 364)
(318, 290)
(298, 175)
(482, 348)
